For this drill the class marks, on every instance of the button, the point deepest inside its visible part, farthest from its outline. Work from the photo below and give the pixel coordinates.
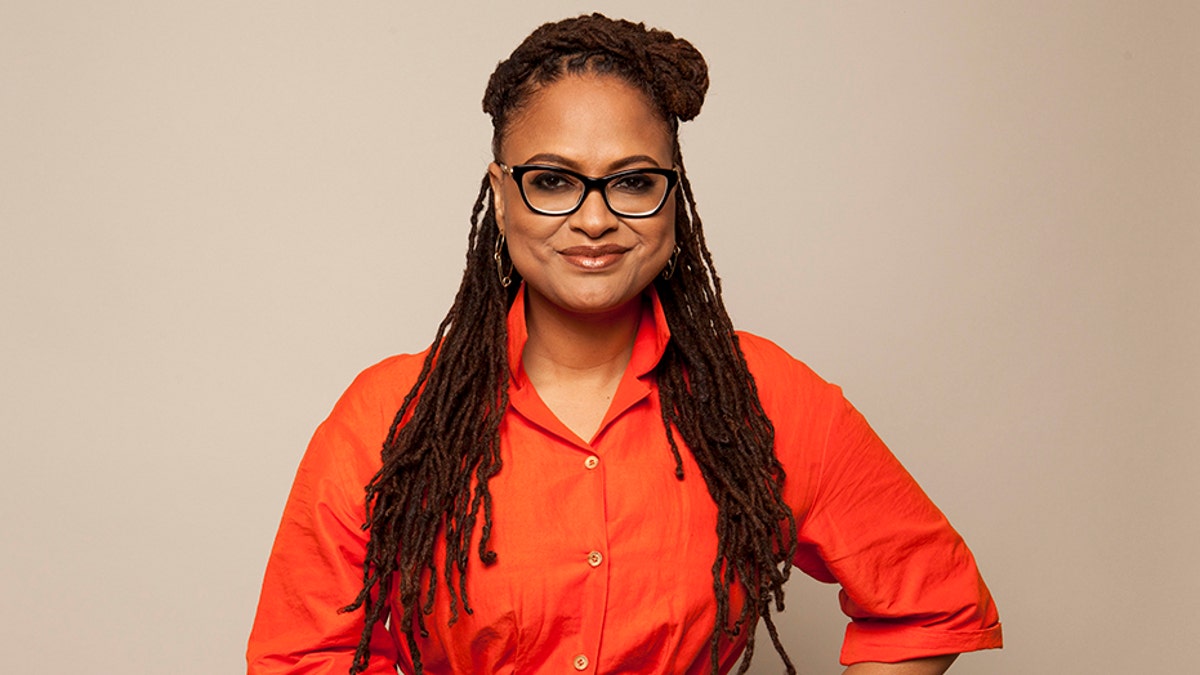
(591, 462)
(581, 662)
(594, 558)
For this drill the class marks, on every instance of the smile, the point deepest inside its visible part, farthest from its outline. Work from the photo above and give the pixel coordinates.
(593, 257)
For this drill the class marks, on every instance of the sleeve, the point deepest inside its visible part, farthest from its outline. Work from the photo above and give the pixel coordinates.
(909, 584)
(315, 567)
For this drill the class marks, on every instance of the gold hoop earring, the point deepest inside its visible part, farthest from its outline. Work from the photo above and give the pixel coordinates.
(505, 278)
(669, 270)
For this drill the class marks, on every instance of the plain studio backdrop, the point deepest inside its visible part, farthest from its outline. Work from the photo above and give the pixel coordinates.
(981, 219)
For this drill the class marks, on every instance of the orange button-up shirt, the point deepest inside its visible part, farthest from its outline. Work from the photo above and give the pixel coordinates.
(604, 557)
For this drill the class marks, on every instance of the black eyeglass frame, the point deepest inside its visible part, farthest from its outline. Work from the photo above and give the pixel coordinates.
(589, 184)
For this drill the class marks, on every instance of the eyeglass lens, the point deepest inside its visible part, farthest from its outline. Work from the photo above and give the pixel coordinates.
(632, 193)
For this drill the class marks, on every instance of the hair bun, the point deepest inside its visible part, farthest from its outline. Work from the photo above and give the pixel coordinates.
(680, 75)
(669, 69)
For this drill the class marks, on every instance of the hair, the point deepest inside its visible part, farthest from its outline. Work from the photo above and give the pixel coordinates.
(444, 443)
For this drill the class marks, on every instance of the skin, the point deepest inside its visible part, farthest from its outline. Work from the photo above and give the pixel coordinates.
(582, 316)
(935, 665)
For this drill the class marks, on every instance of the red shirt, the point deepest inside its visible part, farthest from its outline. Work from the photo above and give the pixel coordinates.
(605, 558)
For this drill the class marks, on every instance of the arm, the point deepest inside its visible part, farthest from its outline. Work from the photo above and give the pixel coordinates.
(908, 580)
(909, 583)
(935, 665)
(315, 566)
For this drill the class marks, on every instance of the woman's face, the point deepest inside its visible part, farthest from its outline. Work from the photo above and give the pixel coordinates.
(591, 261)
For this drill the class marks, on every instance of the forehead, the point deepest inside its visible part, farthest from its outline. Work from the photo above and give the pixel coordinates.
(592, 120)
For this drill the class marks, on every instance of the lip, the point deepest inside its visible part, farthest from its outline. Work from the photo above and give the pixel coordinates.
(593, 257)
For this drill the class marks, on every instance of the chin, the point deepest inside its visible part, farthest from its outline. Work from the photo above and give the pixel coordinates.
(595, 301)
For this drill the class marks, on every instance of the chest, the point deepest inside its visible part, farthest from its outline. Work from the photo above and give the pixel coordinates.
(602, 553)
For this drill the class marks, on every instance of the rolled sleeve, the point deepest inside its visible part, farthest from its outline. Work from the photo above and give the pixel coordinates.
(909, 583)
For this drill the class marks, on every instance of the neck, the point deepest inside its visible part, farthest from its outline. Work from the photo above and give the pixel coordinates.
(578, 346)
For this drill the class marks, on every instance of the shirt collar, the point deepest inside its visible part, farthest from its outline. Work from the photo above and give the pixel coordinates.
(648, 346)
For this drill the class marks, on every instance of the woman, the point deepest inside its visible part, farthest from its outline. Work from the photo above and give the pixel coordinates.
(593, 471)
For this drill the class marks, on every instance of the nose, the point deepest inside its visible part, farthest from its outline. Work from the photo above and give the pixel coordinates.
(593, 217)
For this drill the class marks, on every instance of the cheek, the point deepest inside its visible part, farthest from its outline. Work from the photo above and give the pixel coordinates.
(668, 241)
(668, 227)
(669, 215)
(529, 239)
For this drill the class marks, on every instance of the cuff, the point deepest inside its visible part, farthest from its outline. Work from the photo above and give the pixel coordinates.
(892, 643)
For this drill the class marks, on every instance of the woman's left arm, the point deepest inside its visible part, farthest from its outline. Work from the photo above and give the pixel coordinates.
(909, 583)
(934, 665)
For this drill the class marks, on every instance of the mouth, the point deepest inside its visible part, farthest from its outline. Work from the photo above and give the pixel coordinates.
(593, 257)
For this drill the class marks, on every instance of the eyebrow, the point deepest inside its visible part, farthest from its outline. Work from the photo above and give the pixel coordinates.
(551, 158)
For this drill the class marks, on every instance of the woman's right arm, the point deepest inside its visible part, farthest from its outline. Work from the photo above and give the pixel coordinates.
(315, 567)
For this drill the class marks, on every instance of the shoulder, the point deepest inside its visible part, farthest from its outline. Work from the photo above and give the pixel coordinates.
(759, 350)
(394, 374)
(778, 373)
(805, 409)
(370, 402)
(346, 445)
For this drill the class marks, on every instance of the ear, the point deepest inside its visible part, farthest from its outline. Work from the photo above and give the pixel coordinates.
(496, 177)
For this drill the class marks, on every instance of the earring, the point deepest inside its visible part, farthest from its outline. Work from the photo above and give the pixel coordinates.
(670, 268)
(505, 278)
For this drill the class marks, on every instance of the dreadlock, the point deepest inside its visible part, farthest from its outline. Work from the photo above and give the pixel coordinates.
(445, 438)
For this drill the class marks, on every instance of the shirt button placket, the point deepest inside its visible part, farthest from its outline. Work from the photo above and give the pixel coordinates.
(595, 590)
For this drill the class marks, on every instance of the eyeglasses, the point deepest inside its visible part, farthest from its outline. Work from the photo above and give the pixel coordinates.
(554, 191)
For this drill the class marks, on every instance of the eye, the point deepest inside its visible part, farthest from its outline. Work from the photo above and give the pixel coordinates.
(635, 183)
(545, 180)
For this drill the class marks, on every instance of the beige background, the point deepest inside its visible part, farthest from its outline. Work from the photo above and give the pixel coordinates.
(982, 219)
